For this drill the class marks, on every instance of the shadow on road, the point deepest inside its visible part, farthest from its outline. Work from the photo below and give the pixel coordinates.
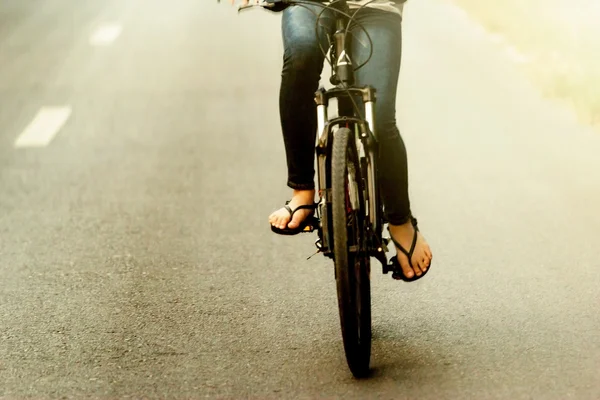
(405, 358)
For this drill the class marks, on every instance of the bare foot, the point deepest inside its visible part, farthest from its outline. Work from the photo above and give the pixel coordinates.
(281, 218)
(421, 258)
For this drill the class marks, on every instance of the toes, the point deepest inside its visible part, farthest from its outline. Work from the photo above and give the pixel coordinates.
(421, 261)
(278, 221)
(428, 258)
(428, 253)
(417, 267)
(406, 269)
(427, 261)
(274, 219)
(417, 264)
(423, 264)
(282, 223)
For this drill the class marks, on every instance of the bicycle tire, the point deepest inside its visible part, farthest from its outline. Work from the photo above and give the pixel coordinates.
(352, 268)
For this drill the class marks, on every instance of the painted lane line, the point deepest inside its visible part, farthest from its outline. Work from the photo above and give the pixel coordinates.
(105, 35)
(46, 124)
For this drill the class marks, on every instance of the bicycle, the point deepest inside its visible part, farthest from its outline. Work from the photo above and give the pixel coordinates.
(349, 214)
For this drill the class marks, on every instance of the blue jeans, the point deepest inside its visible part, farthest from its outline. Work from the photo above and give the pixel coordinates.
(302, 67)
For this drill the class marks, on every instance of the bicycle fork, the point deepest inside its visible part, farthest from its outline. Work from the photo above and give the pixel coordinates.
(366, 145)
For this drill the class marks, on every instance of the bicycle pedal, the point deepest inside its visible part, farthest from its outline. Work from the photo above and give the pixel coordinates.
(312, 226)
(388, 268)
(319, 244)
(397, 276)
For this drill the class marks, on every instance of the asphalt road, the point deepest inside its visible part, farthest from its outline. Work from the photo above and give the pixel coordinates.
(135, 255)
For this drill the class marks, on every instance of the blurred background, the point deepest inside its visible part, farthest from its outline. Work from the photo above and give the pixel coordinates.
(558, 42)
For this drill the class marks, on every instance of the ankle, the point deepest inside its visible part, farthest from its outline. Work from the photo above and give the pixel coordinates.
(310, 193)
(406, 227)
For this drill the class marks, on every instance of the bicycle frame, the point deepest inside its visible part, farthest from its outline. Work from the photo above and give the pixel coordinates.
(343, 78)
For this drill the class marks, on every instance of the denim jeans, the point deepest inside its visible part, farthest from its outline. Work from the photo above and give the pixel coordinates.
(302, 67)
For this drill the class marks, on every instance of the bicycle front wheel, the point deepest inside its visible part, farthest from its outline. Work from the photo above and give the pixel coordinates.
(352, 263)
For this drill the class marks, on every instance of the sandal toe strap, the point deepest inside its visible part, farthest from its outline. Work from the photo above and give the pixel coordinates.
(409, 253)
(304, 207)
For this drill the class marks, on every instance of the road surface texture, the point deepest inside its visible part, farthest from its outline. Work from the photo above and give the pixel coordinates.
(136, 259)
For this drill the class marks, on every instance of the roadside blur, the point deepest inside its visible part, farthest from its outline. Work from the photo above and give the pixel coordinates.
(560, 42)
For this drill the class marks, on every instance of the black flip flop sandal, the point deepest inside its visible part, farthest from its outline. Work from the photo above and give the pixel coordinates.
(306, 226)
(395, 264)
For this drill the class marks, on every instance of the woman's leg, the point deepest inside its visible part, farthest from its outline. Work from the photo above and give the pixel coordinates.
(302, 67)
(382, 72)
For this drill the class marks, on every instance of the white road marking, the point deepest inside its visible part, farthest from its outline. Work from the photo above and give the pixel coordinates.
(46, 124)
(105, 35)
